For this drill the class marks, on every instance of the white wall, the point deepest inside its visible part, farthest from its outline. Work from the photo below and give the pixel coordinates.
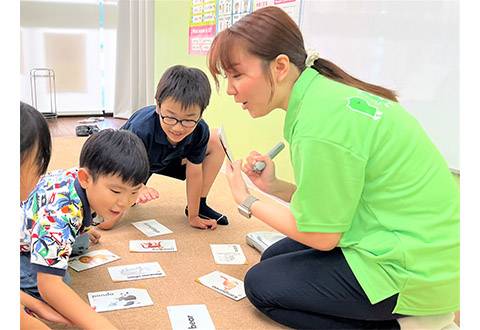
(408, 46)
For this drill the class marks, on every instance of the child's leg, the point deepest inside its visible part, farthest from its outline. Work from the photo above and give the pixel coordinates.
(211, 166)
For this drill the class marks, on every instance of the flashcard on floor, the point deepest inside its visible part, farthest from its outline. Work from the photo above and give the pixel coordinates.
(166, 245)
(228, 254)
(92, 259)
(104, 301)
(184, 317)
(224, 284)
(136, 271)
(151, 227)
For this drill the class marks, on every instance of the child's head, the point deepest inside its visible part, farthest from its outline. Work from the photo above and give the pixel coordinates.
(182, 96)
(35, 148)
(113, 166)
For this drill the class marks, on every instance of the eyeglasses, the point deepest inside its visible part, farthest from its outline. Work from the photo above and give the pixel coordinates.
(172, 121)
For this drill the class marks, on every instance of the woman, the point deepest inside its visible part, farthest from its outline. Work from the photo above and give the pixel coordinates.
(373, 224)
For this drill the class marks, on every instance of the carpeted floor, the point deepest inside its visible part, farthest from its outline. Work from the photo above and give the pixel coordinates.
(193, 258)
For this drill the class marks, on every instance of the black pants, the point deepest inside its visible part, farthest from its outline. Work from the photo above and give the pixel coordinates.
(304, 288)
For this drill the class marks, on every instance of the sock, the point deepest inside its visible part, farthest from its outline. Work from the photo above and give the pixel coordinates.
(206, 212)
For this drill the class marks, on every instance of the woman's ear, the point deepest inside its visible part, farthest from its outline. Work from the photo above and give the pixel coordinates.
(281, 66)
(84, 177)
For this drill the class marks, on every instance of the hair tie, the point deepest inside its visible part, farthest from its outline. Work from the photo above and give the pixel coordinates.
(312, 56)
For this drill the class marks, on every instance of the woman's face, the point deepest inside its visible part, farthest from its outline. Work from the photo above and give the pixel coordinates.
(248, 84)
(28, 175)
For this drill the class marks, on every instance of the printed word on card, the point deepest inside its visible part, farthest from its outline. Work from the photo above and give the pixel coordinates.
(166, 245)
(185, 317)
(151, 228)
(136, 271)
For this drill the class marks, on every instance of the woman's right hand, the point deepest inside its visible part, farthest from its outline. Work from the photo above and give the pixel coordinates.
(265, 179)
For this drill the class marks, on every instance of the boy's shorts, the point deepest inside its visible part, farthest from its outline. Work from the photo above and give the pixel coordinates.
(175, 169)
(28, 276)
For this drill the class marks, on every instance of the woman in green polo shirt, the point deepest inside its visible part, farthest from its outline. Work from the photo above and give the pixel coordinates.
(373, 224)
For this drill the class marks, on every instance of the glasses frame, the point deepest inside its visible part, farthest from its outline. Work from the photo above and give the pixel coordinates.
(181, 121)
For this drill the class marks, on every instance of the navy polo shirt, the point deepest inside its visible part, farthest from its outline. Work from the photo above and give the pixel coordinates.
(145, 123)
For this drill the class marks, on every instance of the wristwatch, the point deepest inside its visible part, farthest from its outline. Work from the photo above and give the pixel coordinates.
(245, 207)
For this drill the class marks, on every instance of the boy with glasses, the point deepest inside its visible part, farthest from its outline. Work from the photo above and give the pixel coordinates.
(179, 143)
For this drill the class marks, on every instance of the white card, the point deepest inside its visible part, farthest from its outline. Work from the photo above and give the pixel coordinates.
(136, 271)
(224, 284)
(224, 143)
(228, 254)
(166, 245)
(92, 259)
(151, 228)
(185, 317)
(104, 301)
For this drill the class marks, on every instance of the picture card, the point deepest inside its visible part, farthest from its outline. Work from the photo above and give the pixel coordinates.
(104, 301)
(166, 245)
(136, 271)
(185, 317)
(228, 254)
(223, 141)
(224, 284)
(151, 227)
(92, 259)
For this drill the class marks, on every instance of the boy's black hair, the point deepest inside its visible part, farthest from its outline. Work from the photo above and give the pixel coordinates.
(188, 86)
(116, 152)
(34, 137)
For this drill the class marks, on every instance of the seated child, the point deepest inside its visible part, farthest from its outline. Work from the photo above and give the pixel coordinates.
(179, 143)
(35, 150)
(113, 166)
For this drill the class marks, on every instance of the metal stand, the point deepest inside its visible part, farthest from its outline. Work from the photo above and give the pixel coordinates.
(35, 74)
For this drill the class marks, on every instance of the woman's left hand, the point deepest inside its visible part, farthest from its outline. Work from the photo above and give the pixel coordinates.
(237, 184)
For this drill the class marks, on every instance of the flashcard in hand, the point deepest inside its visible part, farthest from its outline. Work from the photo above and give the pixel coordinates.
(92, 259)
(104, 301)
(224, 143)
(166, 245)
(151, 227)
(228, 254)
(224, 284)
(184, 317)
(136, 271)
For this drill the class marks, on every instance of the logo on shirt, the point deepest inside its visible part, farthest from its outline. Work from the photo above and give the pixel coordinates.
(362, 106)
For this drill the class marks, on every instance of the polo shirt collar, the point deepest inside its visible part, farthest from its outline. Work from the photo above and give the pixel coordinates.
(87, 213)
(298, 91)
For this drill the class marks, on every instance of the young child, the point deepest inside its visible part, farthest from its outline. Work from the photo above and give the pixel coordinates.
(179, 143)
(113, 166)
(35, 150)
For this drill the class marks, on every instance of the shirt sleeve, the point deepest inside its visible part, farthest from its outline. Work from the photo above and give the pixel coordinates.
(198, 149)
(330, 180)
(53, 235)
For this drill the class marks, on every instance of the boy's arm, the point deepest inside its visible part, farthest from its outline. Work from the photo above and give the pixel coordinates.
(194, 177)
(64, 300)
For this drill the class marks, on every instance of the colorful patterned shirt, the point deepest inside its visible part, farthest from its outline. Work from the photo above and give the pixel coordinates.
(55, 213)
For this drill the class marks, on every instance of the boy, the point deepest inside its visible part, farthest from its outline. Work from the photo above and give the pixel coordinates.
(113, 166)
(179, 143)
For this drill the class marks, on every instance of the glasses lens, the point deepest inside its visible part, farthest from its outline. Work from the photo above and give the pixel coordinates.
(169, 120)
(189, 123)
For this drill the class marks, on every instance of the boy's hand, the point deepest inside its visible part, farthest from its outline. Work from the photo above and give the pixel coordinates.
(94, 236)
(146, 195)
(198, 222)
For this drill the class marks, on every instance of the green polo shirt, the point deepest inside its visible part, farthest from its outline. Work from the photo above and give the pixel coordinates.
(364, 167)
